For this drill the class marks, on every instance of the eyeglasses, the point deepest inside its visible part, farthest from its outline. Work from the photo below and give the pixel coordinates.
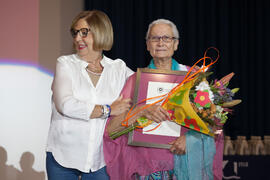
(164, 38)
(83, 32)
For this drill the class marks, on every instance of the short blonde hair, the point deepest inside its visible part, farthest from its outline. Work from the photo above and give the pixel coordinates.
(100, 27)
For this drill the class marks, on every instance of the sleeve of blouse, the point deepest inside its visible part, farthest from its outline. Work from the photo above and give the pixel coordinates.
(129, 72)
(63, 97)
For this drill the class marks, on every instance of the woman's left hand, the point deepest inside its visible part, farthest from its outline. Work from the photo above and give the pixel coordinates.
(178, 145)
(120, 106)
(156, 113)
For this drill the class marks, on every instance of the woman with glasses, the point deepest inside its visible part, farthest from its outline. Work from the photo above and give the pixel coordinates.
(86, 91)
(128, 162)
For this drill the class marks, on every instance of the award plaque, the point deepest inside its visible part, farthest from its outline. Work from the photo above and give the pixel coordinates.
(152, 83)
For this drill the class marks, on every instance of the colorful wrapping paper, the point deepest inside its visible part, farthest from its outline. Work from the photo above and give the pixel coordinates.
(181, 111)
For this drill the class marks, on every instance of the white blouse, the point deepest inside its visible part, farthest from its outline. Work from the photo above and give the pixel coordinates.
(74, 139)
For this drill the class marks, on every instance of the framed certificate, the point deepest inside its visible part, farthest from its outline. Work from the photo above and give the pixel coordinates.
(152, 83)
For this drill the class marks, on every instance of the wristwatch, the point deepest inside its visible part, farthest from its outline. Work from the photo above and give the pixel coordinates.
(106, 111)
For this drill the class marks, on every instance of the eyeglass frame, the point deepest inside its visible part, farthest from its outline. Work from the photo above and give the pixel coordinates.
(74, 32)
(170, 39)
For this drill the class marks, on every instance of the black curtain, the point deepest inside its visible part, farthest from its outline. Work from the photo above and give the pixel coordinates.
(238, 28)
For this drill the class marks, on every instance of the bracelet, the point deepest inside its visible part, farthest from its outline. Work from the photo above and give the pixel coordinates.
(109, 108)
(106, 111)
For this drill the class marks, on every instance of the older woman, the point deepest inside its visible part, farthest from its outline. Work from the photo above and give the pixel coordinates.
(129, 162)
(85, 89)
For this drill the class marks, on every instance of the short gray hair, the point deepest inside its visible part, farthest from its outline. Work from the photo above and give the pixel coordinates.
(163, 21)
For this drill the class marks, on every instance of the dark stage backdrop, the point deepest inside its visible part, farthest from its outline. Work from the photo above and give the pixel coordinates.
(238, 28)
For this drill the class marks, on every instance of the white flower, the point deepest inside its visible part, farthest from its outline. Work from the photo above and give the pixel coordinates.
(211, 95)
(204, 86)
(219, 109)
(200, 108)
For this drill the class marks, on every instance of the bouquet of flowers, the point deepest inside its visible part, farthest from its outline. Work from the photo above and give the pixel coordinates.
(214, 101)
(197, 104)
(201, 105)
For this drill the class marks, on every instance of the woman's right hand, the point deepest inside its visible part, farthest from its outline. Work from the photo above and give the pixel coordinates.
(178, 145)
(120, 106)
(156, 113)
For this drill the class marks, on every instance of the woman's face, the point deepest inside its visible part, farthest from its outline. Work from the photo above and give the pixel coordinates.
(83, 45)
(160, 49)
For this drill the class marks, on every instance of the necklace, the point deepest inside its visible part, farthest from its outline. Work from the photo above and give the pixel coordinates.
(97, 74)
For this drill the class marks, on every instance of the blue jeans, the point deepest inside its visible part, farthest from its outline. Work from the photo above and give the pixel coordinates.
(57, 172)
